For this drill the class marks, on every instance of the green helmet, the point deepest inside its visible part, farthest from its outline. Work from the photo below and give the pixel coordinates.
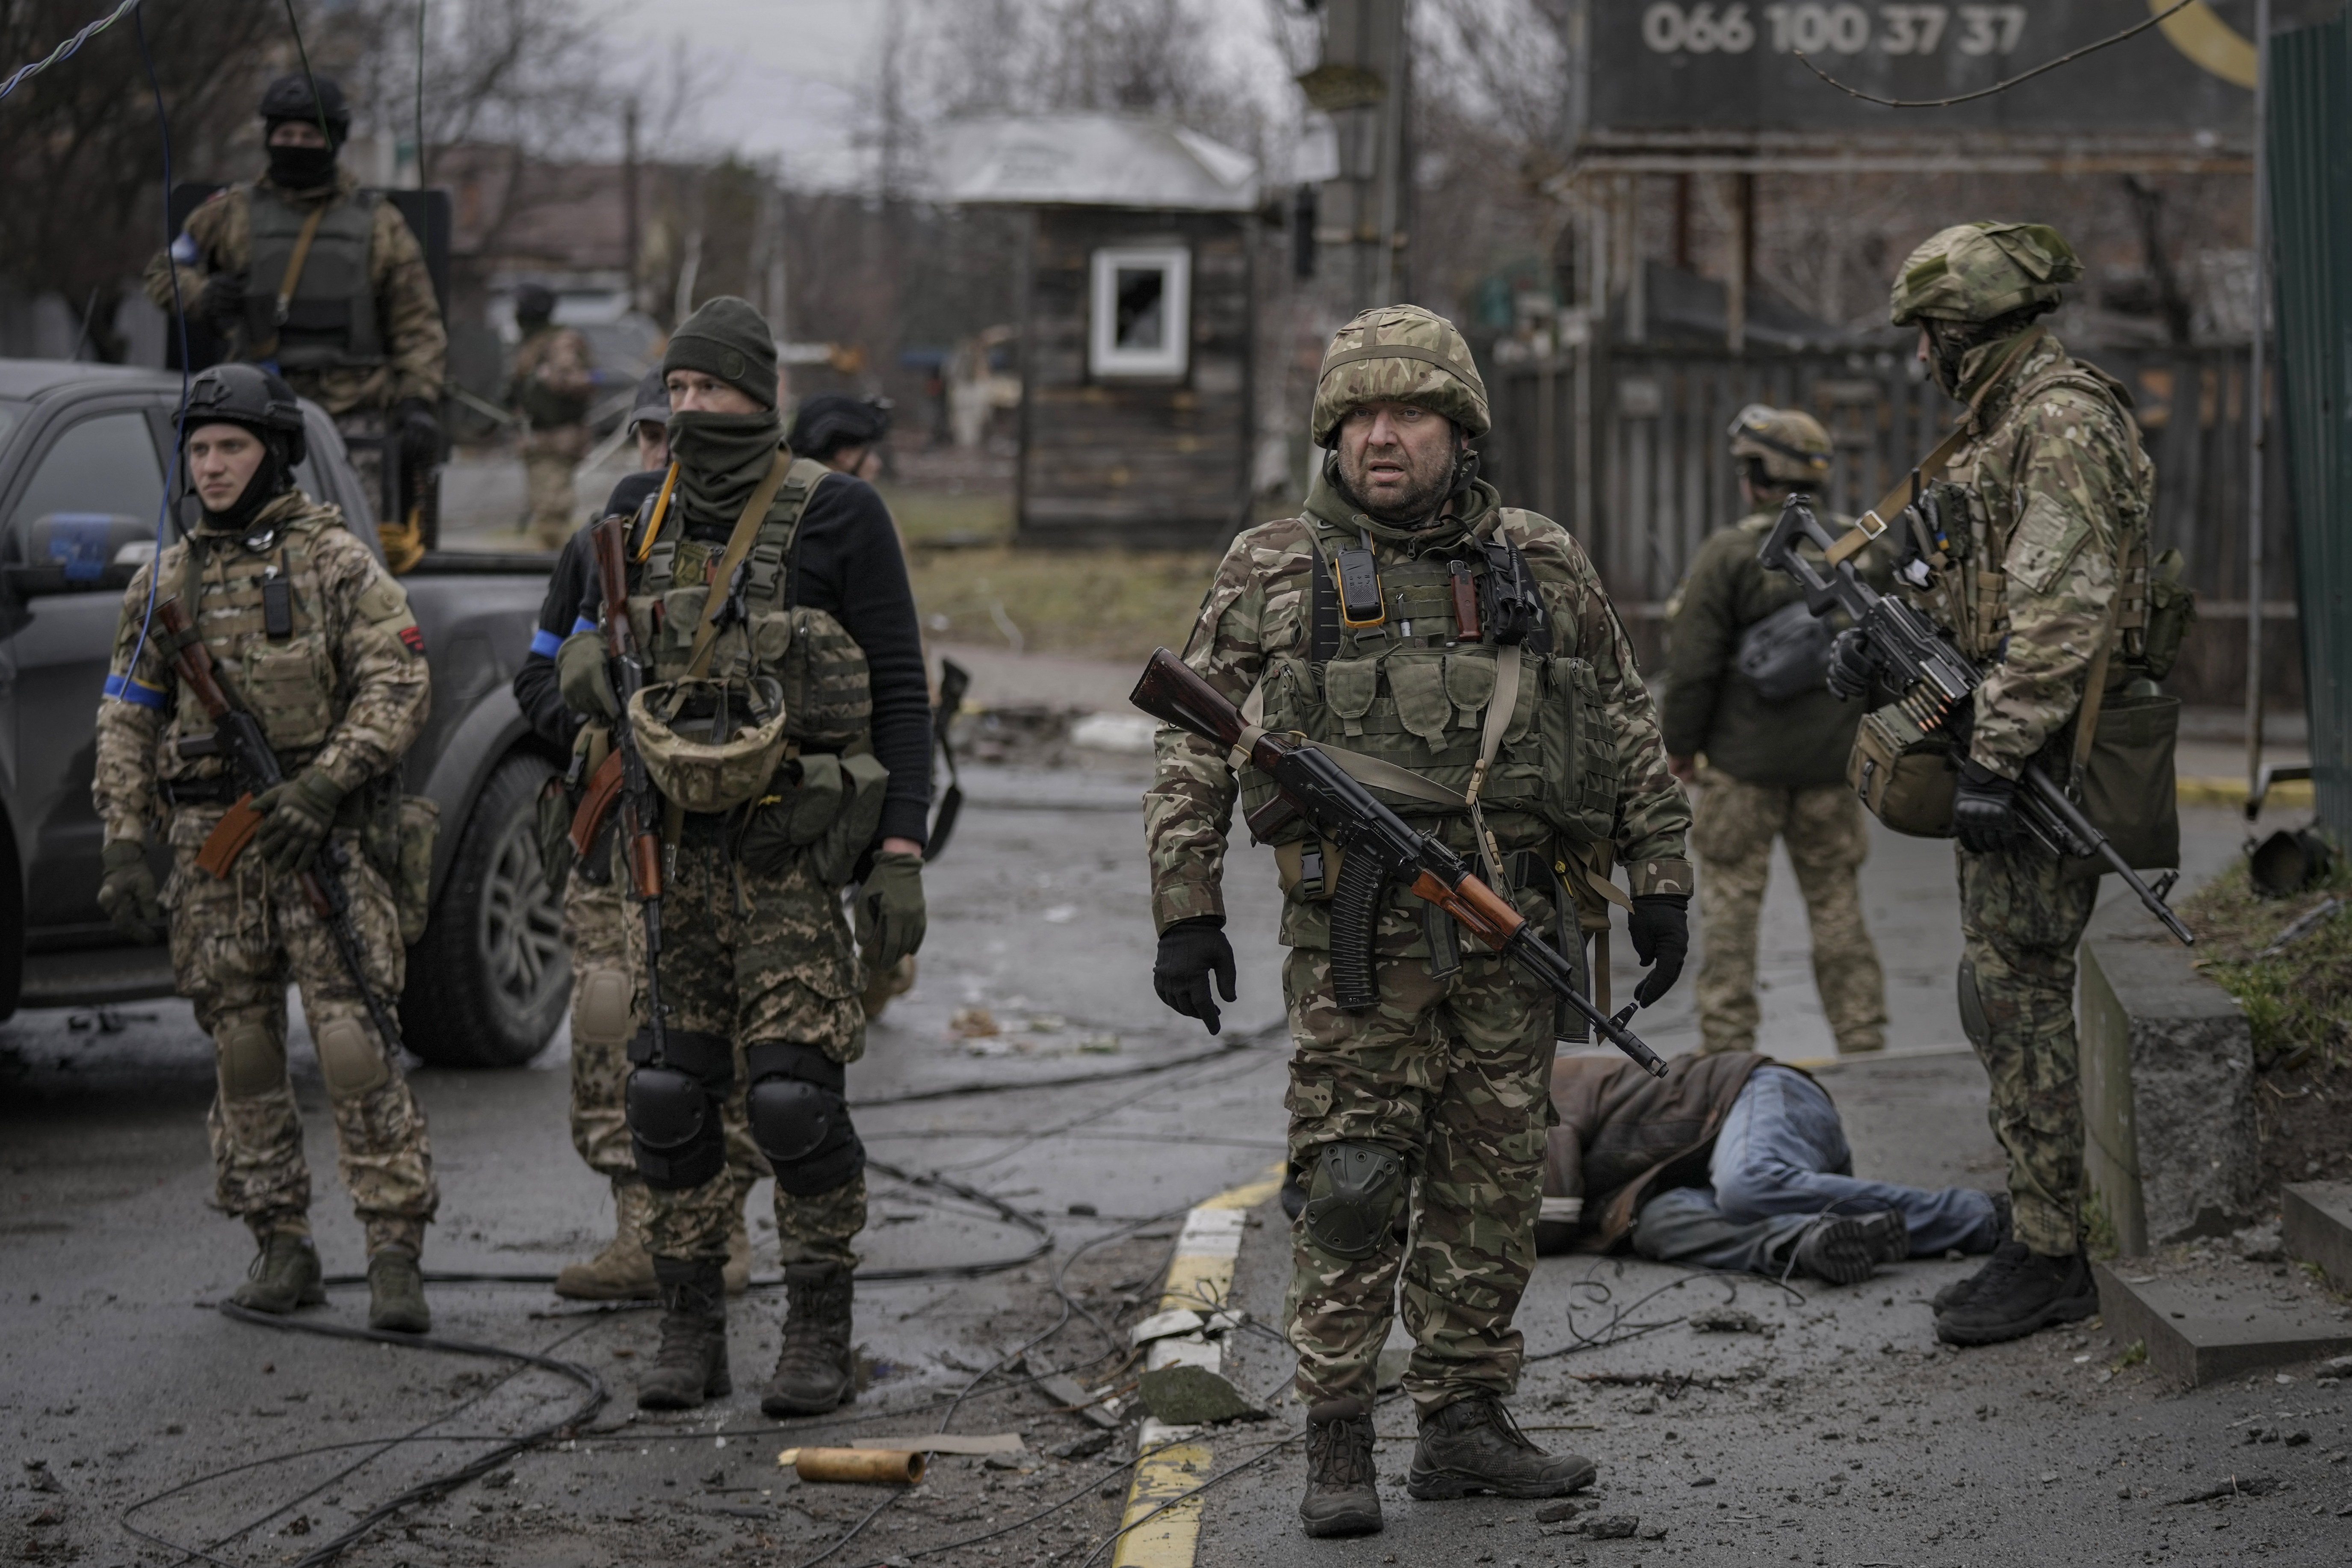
(1976, 271)
(709, 745)
(1789, 443)
(1399, 354)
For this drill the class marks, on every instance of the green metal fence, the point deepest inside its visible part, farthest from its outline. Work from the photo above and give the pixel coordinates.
(2310, 146)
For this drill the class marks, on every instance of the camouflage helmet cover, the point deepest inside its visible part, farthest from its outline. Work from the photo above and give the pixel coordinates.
(1399, 354)
(1789, 443)
(674, 723)
(1976, 271)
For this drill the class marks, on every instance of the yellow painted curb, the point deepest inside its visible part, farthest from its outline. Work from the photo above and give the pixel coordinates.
(1195, 1278)
(2288, 794)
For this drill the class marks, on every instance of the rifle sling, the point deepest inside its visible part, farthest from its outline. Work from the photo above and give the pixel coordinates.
(293, 279)
(738, 545)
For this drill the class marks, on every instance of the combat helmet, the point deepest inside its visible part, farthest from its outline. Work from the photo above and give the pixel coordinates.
(249, 396)
(709, 745)
(291, 97)
(1790, 443)
(1976, 272)
(1399, 354)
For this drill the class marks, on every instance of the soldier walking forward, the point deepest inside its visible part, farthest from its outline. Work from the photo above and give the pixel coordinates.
(811, 650)
(2044, 585)
(1418, 1127)
(555, 374)
(1775, 745)
(315, 639)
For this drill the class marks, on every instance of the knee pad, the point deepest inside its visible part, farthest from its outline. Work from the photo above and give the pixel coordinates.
(600, 1008)
(799, 1118)
(1353, 1198)
(350, 1059)
(1973, 1023)
(252, 1060)
(672, 1107)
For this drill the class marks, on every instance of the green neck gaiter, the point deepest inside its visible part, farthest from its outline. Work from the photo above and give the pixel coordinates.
(721, 458)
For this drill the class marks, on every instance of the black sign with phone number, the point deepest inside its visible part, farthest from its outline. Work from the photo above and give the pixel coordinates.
(1709, 64)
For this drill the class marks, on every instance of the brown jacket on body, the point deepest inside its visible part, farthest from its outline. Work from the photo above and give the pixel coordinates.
(1625, 1136)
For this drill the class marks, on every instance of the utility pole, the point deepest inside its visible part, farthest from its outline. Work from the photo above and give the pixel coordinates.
(1362, 82)
(2254, 370)
(631, 239)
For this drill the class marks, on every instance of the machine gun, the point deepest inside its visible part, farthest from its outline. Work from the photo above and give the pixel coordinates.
(1936, 683)
(237, 739)
(1378, 846)
(623, 781)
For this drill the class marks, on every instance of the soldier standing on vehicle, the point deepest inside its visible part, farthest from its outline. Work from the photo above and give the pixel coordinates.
(320, 281)
(774, 575)
(555, 373)
(2043, 582)
(596, 923)
(1364, 624)
(1745, 663)
(315, 639)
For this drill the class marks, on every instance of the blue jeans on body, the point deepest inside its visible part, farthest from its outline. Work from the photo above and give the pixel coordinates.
(1780, 1161)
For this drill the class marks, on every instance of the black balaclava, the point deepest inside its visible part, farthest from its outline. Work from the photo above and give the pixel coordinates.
(273, 478)
(301, 168)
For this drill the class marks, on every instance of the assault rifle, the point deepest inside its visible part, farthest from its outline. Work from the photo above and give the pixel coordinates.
(1378, 847)
(1937, 682)
(623, 780)
(237, 739)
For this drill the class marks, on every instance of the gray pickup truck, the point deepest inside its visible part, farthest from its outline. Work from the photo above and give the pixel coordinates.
(84, 451)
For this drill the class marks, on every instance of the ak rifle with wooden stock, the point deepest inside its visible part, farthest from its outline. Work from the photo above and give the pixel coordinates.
(1934, 682)
(238, 741)
(1379, 848)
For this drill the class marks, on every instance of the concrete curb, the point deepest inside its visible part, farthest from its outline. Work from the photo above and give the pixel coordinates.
(1175, 1459)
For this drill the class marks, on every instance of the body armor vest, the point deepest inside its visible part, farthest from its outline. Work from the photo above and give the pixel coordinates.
(259, 614)
(1413, 692)
(543, 406)
(331, 321)
(828, 701)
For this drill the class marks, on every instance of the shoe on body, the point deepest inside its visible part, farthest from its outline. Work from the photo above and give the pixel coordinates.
(1474, 1446)
(1846, 1250)
(815, 1371)
(397, 1293)
(1341, 1497)
(285, 1275)
(2018, 1292)
(691, 1365)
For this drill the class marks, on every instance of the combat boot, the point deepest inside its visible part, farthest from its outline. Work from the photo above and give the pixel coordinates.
(1959, 1291)
(737, 1270)
(691, 1365)
(2020, 1291)
(623, 1272)
(814, 1371)
(284, 1275)
(1341, 1498)
(397, 1293)
(1474, 1446)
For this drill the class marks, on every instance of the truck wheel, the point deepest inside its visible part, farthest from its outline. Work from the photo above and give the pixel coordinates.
(489, 980)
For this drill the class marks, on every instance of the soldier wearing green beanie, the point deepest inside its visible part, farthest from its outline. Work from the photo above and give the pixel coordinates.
(1422, 1118)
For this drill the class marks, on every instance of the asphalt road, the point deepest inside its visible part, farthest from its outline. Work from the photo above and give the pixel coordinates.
(130, 1404)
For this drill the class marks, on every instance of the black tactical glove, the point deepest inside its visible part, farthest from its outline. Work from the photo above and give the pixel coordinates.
(419, 431)
(1853, 666)
(1190, 952)
(1660, 927)
(582, 676)
(126, 890)
(221, 305)
(890, 918)
(295, 818)
(1984, 812)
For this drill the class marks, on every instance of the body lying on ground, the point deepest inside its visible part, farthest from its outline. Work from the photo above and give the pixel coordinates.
(1733, 1161)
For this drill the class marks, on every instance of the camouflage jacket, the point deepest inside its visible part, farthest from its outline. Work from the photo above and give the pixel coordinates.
(217, 239)
(553, 376)
(346, 691)
(1258, 610)
(2060, 495)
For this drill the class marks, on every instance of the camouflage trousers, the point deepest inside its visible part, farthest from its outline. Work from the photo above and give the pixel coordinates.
(1732, 830)
(1451, 1074)
(2022, 918)
(363, 431)
(554, 513)
(604, 984)
(235, 945)
(759, 959)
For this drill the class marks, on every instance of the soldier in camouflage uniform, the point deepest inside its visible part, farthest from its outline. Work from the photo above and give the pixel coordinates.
(311, 635)
(2046, 589)
(1775, 768)
(1424, 1118)
(555, 372)
(758, 977)
(360, 334)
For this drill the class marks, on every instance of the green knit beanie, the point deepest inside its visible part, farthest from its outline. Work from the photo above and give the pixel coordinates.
(727, 339)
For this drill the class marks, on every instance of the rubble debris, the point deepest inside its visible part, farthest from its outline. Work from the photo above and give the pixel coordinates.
(1614, 1527)
(1083, 1447)
(1726, 1321)
(2236, 1486)
(1183, 1395)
